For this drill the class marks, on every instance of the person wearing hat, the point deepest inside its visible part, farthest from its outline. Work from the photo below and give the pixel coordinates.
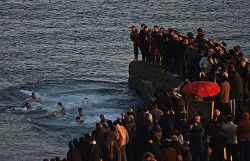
(134, 38)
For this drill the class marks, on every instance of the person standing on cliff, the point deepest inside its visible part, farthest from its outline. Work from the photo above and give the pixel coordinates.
(190, 57)
(134, 38)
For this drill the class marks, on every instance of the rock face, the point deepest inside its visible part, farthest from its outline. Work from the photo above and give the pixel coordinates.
(148, 78)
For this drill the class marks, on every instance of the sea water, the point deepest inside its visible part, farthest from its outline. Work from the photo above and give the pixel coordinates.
(69, 50)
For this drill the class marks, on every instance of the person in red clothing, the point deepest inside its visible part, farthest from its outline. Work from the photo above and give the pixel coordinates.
(243, 133)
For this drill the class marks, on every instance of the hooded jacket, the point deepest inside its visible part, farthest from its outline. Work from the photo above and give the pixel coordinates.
(243, 128)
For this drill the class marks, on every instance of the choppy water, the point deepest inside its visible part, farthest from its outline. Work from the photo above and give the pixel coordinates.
(69, 50)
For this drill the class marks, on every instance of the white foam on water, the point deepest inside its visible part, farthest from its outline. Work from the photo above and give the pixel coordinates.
(92, 105)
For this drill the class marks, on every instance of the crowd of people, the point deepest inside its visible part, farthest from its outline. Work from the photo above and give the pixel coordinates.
(159, 134)
(193, 57)
(162, 131)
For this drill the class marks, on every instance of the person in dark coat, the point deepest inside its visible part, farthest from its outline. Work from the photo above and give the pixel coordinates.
(190, 58)
(109, 148)
(244, 73)
(156, 134)
(134, 38)
(73, 153)
(233, 89)
(95, 151)
(196, 143)
(98, 133)
(167, 124)
(217, 142)
(239, 93)
(152, 148)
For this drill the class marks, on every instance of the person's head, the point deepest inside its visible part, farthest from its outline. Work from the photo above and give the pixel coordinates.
(79, 110)
(174, 137)
(142, 25)
(217, 112)
(146, 28)
(70, 145)
(133, 28)
(215, 41)
(217, 47)
(98, 125)
(75, 142)
(102, 117)
(77, 118)
(197, 118)
(190, 45)
(245, 116)
(231, 68)
(59, 104)
(190, 35)
(185, 42)
(86, 136)
(243, 63)
(229, 118)
(92, 141)
(147, 116)
(156, 29)
(116, 122)
(27, 105)
(175, 37)
(238, 48)
(199, 30)
(168, 111)
(147, 157)
(33, 95)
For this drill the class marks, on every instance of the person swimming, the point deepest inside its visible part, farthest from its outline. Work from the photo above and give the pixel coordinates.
(33, 96)
(80, 113)
(60, 111)
(86, 102)
(78, 119)
(27, 105)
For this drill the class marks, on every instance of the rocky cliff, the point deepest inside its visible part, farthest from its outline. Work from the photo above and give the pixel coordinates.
(148, 78)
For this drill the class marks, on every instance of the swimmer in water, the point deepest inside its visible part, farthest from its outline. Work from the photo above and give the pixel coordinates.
(33, 96)
(27, 105)
(80, 113)
(86, 102)
(61, 111)
(79, 120)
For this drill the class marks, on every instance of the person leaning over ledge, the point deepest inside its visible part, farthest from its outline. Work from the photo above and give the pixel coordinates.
(243, 133)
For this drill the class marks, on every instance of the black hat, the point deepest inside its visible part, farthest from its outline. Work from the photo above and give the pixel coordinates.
(199, 30)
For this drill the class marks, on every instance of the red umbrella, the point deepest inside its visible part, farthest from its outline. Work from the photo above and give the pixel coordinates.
(202, 88)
